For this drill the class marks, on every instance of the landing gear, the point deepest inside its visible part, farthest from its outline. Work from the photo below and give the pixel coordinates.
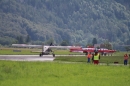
(41, 54)
(53, 55)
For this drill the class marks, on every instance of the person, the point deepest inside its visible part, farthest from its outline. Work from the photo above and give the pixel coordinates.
(89, 57)
(125, 59)
(96, 57)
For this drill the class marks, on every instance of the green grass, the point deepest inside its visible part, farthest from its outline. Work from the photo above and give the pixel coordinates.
(66, 52)
(62, 74)
(10, 51)
(103, 59)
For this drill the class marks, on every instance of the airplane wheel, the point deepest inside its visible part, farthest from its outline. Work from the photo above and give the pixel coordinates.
(40, 54)
(53, 55)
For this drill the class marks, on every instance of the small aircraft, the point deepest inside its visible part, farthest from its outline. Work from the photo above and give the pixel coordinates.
(103, 51)
(46, 49)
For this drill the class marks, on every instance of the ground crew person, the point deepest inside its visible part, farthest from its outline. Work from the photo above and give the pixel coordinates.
(89, 57)
(96, 57)
(125, 59)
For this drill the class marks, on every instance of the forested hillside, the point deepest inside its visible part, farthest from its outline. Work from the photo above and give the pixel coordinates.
(74, 21)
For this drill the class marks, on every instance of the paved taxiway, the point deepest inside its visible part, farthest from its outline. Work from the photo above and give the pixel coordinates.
(30, 57)
(27, 57)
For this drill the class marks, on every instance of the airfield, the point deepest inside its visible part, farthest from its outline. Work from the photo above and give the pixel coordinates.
(45, 58)
(62, 56)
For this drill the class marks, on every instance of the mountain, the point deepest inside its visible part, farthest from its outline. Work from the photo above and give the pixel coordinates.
(75, 21)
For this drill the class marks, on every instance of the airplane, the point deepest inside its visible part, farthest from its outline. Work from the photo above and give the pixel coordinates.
(46, 49)
(103, 51)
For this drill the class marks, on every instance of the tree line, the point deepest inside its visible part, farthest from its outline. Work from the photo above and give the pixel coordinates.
(73, 20)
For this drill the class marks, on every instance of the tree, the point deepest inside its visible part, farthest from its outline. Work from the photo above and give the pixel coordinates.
(106, 45)
(28, 39)
(20, 39)
(50, 41)
(127, 48)
(64, 43)
(94, 41)
(89, 45)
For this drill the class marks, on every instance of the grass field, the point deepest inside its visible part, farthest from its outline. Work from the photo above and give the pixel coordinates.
(63, 71)
(104, 59)
(16, 51)
(62, 74)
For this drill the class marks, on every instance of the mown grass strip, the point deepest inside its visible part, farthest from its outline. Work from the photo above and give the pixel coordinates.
(17, 51)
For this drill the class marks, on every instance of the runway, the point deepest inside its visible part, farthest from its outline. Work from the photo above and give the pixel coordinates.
(27, 57)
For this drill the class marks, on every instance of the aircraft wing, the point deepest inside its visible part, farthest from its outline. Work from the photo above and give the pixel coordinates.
(56, 47)
(41, 46)
(45, 48)
(26, 45)
(61, 47)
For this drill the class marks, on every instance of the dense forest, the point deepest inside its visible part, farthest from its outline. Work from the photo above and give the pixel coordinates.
(73, 21)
